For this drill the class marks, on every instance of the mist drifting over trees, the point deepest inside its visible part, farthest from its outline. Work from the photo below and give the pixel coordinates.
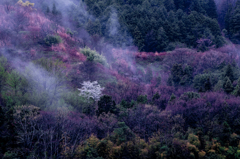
(120, 79)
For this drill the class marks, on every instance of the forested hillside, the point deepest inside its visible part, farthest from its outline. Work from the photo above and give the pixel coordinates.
(120, 79)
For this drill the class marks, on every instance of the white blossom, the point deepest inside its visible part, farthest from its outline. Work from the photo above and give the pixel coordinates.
(91, 90)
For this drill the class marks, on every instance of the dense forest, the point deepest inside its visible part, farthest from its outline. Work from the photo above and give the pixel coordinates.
(120, 79)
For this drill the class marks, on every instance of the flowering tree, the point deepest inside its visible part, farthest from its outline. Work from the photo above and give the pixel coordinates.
(91, 90)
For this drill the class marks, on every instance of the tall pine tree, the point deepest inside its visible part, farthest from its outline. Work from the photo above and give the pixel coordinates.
(211, 9)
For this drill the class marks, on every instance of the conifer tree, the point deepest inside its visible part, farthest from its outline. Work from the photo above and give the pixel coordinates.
(96, 10)
(207, 85)
(227, 86)
(169, 4)
(236, 91)
(54, 9)
(195, 6)
(172, 98)
(227, 19)
(235, 21)
(229, 73)
(162, 39)
(179, 4)
(138, 38)
(106, 104)
(211, 9)
(177, 73)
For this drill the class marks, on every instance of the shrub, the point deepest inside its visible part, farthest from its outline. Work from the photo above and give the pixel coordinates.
(51, 40)
(93, 56)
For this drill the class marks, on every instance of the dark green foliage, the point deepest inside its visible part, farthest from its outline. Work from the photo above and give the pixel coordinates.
(162, 39)
(142, 99)
(179, 4)
(122, 133)
(202, 82)
(94, 56)
(227, 18)
(101, 149)
(152, 24)
(211, 9)
(219, 41)
(229, 72)
(176, 73)
(207, 85)
(235, 20)
(180, 76)
(189, 96)
(156, 99)
(187, 76)
(94, 27)
(105, 105)
(10, 155)
(51, 40)
(3, 72)
(2, 118)
(139, 40)
(130, 151)
(14, 90)
(236, 91)
(227, 85)
(54, 9)
(151, 41)
(96, 10)
(156, 96)
(72, 98)
(232, 24)
(126, 104)
(169, 4)
(172, 98)
(48, 10)
(195, 6)
(226, 132)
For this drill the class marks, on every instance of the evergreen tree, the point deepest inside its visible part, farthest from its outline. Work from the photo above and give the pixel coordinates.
(207, 85)
(142, 99)
(156, 97)
(229, 72)
(172, 98)
(179, 4)
(236, 91)
(227, 86)
(138, 38)
(169, 5)
(94, 27)
(3, 72)
(106, 104)
(219, 41)
(235, 21)
(195, 6)
(213, 25)
(47, 10)
(96, 10)
(227, 18)
(54, 9)
(211, 9)
(176, 73)
(151, 42)
(162, 39)
(187, 76)
(183, 31)
(146, 5)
